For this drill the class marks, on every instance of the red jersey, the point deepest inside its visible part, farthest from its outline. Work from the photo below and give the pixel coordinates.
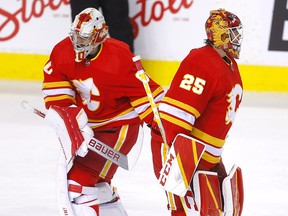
(105, 87)
(203, 99)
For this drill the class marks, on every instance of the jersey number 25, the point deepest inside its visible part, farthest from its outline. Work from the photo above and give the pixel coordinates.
(189, 83)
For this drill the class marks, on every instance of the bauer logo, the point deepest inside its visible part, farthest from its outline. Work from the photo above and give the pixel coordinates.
(104, 150)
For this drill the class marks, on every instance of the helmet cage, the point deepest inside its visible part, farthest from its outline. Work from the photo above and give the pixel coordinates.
(236, 35)
(87, 31)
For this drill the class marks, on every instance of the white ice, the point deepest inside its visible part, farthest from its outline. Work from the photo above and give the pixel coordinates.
(258, 143)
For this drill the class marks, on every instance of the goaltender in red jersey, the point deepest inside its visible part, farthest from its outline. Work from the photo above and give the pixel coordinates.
(201, 103)
(90, 76)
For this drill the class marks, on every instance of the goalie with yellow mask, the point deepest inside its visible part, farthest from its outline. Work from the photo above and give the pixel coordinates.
(197, 113)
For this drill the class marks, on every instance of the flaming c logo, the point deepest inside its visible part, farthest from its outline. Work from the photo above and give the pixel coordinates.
(233, 97)
(83, 18)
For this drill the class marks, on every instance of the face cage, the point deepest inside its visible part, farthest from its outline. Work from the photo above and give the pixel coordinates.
(235, 40)
(236, 35)
(82, 45)
(78, 41)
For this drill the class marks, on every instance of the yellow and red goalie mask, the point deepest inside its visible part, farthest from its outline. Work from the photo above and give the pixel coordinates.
(224, 30)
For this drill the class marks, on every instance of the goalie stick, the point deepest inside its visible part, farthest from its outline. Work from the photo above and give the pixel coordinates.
(94, 145)
(175, 176)
(177, 145)
(141, 75)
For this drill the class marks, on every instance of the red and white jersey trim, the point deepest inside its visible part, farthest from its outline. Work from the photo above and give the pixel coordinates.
(127, 116)
(61, 91)
(179, 113)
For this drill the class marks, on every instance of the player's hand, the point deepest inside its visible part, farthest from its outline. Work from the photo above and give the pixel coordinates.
(155, 133)
(87, 133)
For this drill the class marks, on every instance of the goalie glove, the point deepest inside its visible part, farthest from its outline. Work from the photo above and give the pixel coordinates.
(70, 125)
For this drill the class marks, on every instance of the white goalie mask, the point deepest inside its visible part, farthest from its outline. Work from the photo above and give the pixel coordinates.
(87, 31)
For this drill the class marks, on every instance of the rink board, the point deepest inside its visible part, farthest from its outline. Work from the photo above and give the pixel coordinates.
(255, 78)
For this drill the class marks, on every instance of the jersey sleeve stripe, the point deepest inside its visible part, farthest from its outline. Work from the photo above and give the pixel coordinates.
(181, 105)
(176, 121)
(210, 158)
(216, 142)
(177, 112)
(156, 94)
(54, 92)
(58, 98)
(146, 113)
(142, 108)
(139, 101)
(123, 116)
(62, 84)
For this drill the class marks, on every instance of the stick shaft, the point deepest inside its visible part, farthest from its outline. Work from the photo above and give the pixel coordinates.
(141, 75)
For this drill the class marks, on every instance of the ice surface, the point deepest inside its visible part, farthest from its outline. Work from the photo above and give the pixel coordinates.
(258, 143)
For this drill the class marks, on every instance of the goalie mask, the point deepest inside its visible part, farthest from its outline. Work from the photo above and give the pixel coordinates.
(224, 30)
(87, 31)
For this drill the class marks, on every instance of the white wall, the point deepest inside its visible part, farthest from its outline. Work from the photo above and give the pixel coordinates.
(37, 25)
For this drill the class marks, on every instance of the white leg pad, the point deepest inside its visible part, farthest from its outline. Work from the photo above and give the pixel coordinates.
(233, 192)
(101, 200)
(107, 209)
(88, 196)
(81, 210)
(207, 192)
(113, 209)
